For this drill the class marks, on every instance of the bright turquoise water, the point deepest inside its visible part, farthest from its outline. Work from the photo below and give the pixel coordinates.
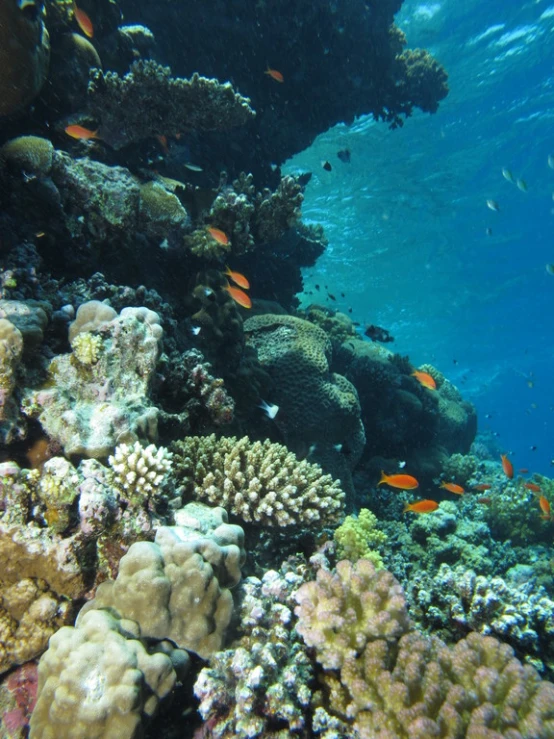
(407, 218)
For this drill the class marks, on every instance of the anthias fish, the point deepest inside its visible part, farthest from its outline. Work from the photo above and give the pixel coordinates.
(507, 466)
(274, 74)
(404, 482)
(80, 132)
(425, 379)
(239, 296)
(421, 506)
(452, 488)
(237, 278)
(83, 21)
(219, 235)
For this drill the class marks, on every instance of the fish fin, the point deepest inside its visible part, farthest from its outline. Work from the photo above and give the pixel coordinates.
(383, 478)
(406, 508)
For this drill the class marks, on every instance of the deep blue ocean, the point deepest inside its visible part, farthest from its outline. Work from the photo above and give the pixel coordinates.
(413, 245)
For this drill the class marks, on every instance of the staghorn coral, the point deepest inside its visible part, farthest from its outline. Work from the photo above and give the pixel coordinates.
(177, 587)
(98, 679)
(148, 101)
(24, 54)
(139, 472)
(262, 483)
(358, 537)
(260, 686)
(384, 681)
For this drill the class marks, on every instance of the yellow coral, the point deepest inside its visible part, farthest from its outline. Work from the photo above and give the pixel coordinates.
(86, 348)
(357, 537)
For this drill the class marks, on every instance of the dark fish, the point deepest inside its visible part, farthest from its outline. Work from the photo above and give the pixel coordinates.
(317, 287)
(342, 295)
(304, 178)
(327, 166)
(376, 333)
(331, 296)
(344, 155)
(350, 310)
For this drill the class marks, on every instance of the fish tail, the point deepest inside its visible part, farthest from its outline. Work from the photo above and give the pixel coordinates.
(383, 479)
(406, 508)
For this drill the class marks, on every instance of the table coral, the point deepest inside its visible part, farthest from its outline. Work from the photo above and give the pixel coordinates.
(148, 102)
(262, 483)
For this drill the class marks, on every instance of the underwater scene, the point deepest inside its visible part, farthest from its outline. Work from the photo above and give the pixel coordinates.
(276, 363)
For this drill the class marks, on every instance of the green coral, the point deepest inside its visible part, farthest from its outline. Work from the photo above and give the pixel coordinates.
(29, 154)
(357, 537)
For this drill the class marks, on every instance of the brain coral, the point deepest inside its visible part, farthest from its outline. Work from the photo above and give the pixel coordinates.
(316, 406)
(259, 482)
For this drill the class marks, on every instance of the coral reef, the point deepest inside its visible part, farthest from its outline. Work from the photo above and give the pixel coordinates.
(11, 349)
(24, 54)
(148, 102)
(139, 471)
(89, 407)
(317, 407)
(513, 609)
(177, 587)
(360, 537)
(385, 681)
(98, 680)
(262, 685)
(260, 483)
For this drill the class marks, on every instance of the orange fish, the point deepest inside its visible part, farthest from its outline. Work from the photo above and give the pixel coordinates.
(219, 235)
(80, 132)
(163, 143)
(484, 501)
(452, 488)
(83, 21)
(239, 296)
(421, 506)
(523, 471)
(275, 75)
(507, 466)
(545, 508)
(237, 278)
(404, 482)
(425, 379)
(482, 487)
(532, 486)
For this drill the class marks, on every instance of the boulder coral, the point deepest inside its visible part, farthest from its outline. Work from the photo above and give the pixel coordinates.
(317, 407)
(89, 407)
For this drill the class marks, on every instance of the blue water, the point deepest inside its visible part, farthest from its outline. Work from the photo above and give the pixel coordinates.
(407, 218)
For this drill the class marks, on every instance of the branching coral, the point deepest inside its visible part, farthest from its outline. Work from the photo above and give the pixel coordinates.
(148, 102)
(259, 482)
(139, 471)
(358, 536)
(260, 686)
